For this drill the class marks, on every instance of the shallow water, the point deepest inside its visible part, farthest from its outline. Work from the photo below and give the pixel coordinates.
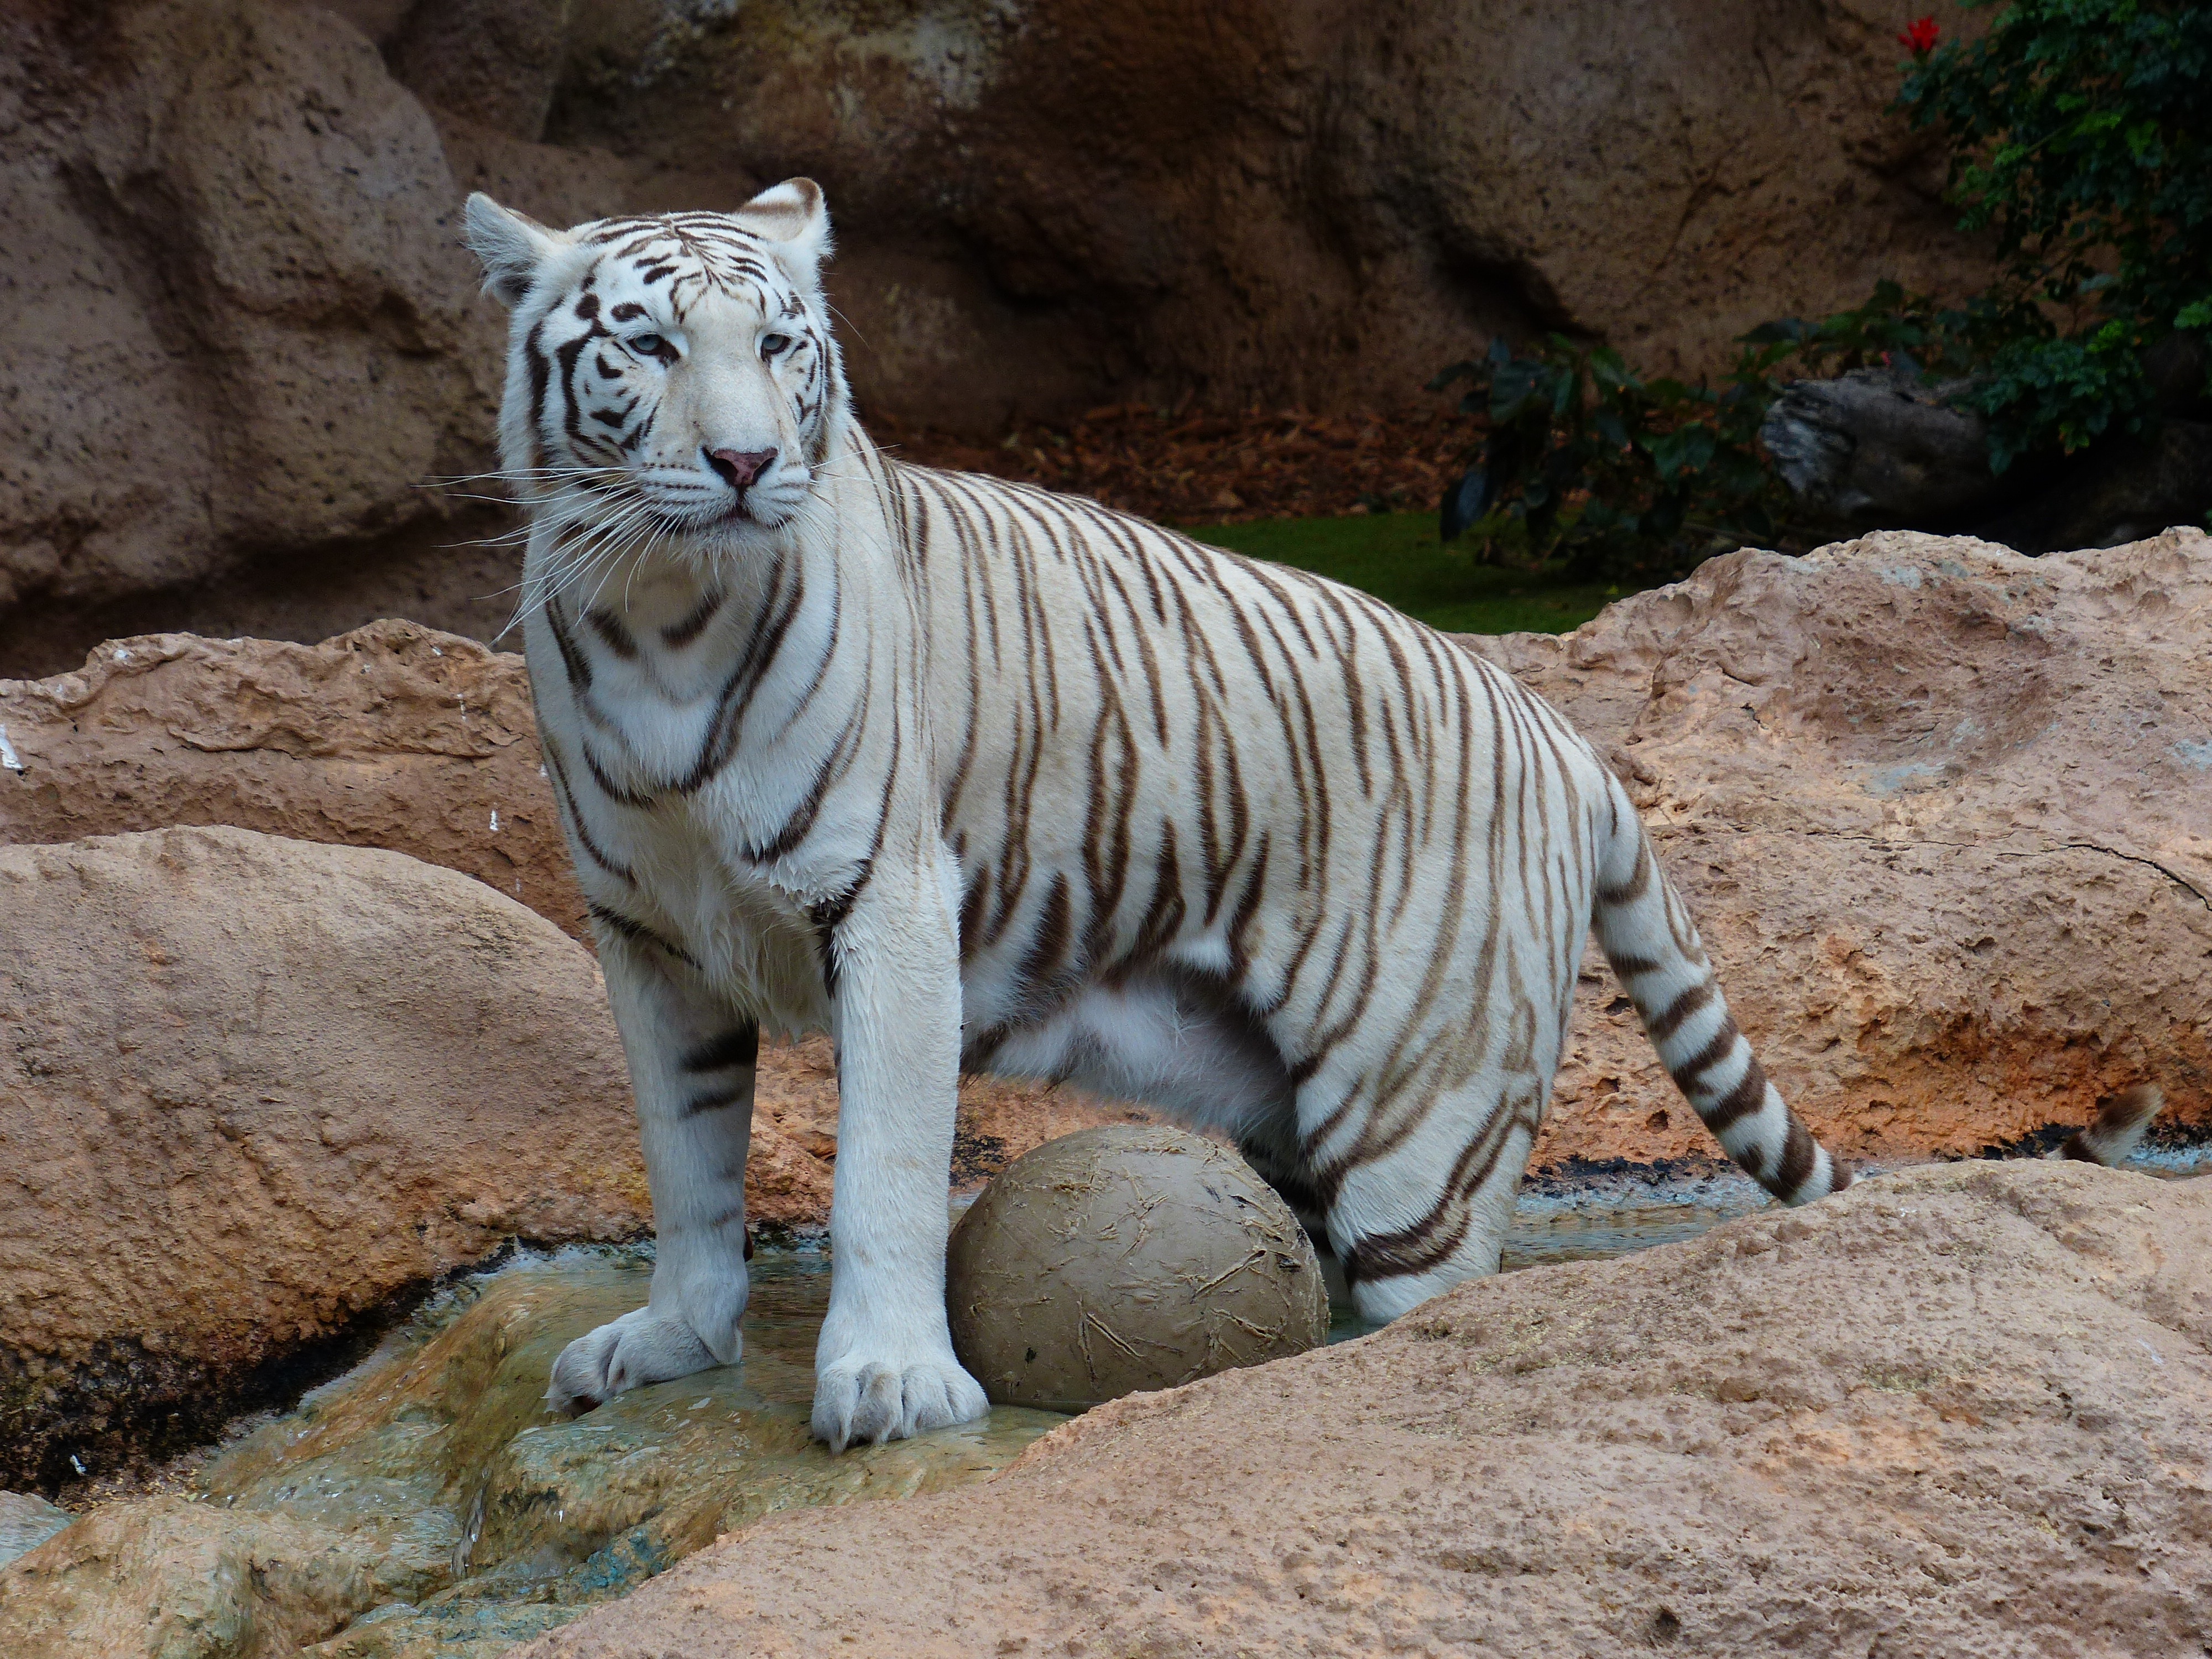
(1591, 1225)
(492, 1521)
(1545, 1233)
(2173, 1163)
(453, 1516)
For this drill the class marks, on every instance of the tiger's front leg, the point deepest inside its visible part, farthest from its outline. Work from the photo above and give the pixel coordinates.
(885, 1367)
(691, 1066)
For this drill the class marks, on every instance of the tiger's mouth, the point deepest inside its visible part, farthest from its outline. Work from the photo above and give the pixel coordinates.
(697, 518)
(687, 507)
(743, 513)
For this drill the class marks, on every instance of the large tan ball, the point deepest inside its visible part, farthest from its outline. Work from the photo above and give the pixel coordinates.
(1120, 1259)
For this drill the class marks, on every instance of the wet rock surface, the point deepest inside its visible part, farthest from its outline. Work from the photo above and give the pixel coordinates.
(1956, 1410)
(426, 1503)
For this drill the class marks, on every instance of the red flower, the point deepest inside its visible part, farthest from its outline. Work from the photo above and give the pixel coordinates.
(1920, 39)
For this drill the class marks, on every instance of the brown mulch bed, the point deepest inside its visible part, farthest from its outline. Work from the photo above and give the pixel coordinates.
(1189, 467)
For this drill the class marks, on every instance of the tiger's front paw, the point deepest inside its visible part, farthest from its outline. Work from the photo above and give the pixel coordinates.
(638, 1348)
(875, 1398)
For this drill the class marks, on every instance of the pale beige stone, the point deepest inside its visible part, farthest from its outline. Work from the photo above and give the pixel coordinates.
(171, 1578)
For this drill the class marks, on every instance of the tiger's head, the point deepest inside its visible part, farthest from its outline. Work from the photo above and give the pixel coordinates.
(669, 373)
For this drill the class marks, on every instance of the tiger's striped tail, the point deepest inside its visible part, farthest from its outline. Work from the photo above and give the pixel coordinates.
(2117, 1129)
(1653, 946)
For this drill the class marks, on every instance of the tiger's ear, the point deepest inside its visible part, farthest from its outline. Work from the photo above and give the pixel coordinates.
(793, 220)
(512, 247)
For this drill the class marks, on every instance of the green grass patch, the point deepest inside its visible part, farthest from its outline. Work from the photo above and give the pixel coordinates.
(1397, 557)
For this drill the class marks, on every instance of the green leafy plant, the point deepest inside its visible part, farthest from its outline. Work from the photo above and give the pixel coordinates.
(1893, 328)
(1586, 462)
(2079, 136)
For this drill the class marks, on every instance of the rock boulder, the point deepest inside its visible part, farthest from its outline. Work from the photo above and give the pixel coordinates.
(402, 737)
(395, 736)
(255, 1091)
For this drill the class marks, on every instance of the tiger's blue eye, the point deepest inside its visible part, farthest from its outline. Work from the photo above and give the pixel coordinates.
(772, 344)
(647, 345)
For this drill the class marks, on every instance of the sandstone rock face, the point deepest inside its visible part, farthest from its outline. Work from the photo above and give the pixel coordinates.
(1957, 1410)
(1944, 816)
(242, 333)
(1308, 201)
(394, 736)
(238, 323)
(254, 1089)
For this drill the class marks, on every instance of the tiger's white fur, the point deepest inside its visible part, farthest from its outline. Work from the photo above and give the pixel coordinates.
(963, 772)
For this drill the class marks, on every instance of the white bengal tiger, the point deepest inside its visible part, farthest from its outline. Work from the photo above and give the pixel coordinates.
(972, 775)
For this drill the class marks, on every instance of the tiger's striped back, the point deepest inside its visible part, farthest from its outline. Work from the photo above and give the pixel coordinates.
(1364, 858)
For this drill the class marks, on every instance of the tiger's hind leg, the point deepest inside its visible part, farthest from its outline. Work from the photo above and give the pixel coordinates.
(1411, 1216)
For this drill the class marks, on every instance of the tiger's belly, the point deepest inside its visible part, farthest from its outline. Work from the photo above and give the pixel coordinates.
(1168, 1039)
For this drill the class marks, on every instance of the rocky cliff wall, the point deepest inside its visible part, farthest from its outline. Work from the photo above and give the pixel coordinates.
(240, 334)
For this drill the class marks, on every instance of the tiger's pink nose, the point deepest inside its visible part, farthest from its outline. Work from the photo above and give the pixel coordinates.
(738, 467)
